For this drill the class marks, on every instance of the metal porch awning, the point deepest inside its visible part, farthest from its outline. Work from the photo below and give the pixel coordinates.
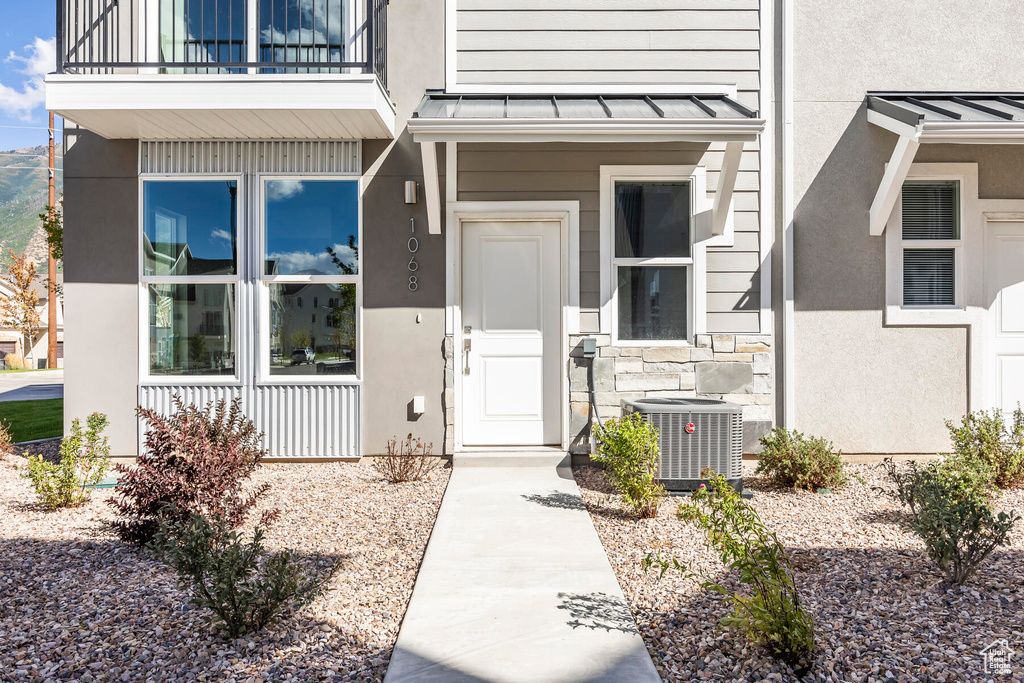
(583, 118)
(950, 118)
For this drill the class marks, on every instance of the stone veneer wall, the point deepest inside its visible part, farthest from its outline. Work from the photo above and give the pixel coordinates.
(733, 367)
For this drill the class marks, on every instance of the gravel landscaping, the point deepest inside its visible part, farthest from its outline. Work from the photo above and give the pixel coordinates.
(77, 604)
(879, 605)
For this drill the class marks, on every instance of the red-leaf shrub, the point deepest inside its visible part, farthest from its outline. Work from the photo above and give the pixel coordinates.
(196, 461)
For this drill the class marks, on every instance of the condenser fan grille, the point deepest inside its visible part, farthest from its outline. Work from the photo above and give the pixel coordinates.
(694, 435)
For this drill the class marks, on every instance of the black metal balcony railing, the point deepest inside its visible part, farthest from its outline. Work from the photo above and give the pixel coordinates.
(213, 36)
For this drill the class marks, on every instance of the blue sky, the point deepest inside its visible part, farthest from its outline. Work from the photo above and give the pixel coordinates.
(26, 54)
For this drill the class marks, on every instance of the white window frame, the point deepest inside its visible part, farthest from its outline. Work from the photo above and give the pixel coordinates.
(264, 281)
(968, 249)
(145, 376)
(696, 264)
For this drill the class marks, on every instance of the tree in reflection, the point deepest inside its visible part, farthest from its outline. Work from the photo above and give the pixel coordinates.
(343, 310)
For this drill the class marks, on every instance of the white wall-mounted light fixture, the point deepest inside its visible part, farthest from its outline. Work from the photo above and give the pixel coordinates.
(410, 192)
(419, 405)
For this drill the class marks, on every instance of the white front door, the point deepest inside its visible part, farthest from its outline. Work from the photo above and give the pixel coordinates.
(1005, 270)
(511, 334)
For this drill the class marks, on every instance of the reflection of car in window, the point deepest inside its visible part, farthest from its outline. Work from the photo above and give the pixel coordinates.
(301, 356)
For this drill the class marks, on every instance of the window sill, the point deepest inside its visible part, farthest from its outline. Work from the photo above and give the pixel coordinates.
(301, 382)
(939, 316)
(189, 380)
(642, 344)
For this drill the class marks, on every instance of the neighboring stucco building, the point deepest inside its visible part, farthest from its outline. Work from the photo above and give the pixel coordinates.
(370, 219)
(894, 314)
(13, 342)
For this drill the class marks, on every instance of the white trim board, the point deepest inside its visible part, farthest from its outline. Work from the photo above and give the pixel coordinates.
(455, 88)
(766, 166)
(786, 191)
(585, 130)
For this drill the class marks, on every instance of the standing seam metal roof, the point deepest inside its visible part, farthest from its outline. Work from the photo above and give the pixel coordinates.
(440, 105)
(913, 108)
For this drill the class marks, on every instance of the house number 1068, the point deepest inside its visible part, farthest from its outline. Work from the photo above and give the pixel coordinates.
(414, 246)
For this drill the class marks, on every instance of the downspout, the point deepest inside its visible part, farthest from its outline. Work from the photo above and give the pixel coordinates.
(788, 209)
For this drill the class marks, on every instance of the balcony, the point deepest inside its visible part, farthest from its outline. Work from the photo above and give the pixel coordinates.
(223, 69)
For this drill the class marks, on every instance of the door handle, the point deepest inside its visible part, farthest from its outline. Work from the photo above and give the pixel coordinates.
(467, 346)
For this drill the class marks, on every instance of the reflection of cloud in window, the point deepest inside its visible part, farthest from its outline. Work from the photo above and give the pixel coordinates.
(305, 262)
(221, 234)
(315, 22)
(279, 190)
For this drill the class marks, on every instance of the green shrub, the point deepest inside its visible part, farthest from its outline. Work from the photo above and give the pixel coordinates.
(84, 459)
(964, 476)
(959, 531)
(792, 459)
(628, 448)
(985, 442)
(770, 614)
(236, 579)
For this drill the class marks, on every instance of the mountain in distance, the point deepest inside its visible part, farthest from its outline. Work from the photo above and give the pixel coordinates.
(23, 196)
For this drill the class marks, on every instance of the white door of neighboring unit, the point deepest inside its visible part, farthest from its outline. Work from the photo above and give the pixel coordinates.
(511, 318)
(1005, 269)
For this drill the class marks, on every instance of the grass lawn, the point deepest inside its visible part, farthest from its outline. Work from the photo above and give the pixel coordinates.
(7, 370)
(29, 420)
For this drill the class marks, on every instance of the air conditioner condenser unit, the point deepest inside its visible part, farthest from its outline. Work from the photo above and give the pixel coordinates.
(694, 434)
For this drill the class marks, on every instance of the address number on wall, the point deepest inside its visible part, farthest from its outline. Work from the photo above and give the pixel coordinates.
(414, 246)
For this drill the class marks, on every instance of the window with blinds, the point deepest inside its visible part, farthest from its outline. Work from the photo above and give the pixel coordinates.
(930, 240)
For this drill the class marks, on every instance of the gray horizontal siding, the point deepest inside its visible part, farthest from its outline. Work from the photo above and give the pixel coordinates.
(484, 41)
(744, 80)
(609, 41)
(503, 172)
(614, 5)
(608, 20)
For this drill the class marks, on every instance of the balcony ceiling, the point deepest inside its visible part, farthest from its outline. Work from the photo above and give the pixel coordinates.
(224, 106)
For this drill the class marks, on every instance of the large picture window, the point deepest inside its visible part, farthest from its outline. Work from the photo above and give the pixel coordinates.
(311, 276)
(190, 275)
(651, 260)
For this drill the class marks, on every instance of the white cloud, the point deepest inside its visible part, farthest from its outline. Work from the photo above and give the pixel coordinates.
(221, 234)
(313, 264)
(317, 27)
(38, 59)
(279, 190)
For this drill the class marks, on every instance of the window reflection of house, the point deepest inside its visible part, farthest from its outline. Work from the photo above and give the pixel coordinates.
(177, 259)
(331, 334)
(190, 329)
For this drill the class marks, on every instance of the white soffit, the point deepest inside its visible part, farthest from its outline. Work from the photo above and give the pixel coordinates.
(224, 106)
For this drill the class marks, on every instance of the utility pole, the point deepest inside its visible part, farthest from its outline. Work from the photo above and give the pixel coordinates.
(51, 289)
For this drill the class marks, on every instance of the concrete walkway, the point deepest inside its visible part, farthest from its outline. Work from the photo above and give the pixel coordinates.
(515, 586)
